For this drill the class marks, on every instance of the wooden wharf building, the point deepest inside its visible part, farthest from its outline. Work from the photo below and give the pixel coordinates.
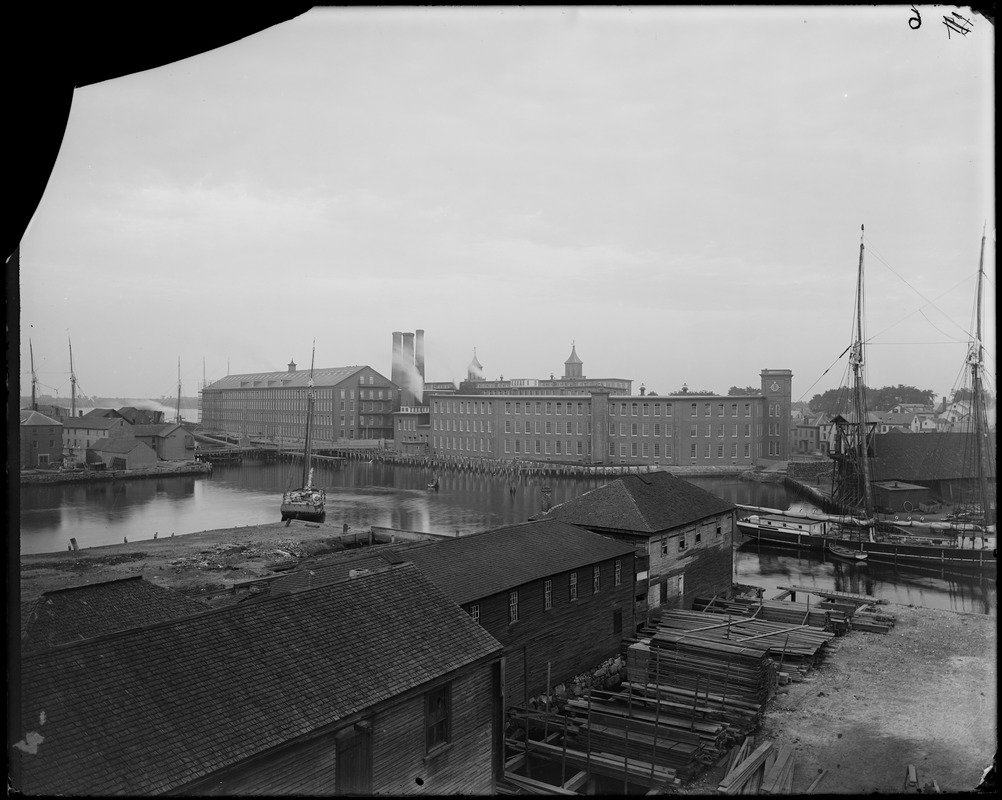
(374, 684)
(557, 597)
(682, 533)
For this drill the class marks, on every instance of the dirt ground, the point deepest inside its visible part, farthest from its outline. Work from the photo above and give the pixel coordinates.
(199, 564)
(923, 694)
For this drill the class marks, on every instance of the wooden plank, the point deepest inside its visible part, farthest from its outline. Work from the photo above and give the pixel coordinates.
(774, 779)
(743, 772)
(814, 784)
(862, 598)
(576, 781)
(536, 787)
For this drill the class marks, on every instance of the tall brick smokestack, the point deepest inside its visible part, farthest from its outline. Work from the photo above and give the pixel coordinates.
(419, 352)
(407, 370)
(398, 351)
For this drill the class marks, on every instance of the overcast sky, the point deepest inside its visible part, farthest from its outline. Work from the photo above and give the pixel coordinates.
(677, 191)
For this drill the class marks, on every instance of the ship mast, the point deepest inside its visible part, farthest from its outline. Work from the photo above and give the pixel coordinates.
(862, 454)
(307, 452)
(34, 379)
(73, 383)
(982, 456)
(177, 418)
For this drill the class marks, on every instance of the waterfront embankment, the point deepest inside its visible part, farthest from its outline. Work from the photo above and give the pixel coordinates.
(165, 470)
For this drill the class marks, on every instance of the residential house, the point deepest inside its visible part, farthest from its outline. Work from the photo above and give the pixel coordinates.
(121, 454)
(683, 532)
(912, 408)
(377, 684)
(807, 439)
(895, 421)
(558, 597)
(922, 422)
(168, 440)
(41, 440)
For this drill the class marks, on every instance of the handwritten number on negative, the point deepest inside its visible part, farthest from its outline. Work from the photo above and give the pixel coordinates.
(915, 22)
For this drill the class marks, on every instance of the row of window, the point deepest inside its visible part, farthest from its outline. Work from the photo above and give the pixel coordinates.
(708, 451)
(708, 430)
(596, 587)
(548, 427)
(580, 408)
(708, 409)
(542, 447)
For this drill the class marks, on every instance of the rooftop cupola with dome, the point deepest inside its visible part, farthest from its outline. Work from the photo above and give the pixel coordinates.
(573, 366)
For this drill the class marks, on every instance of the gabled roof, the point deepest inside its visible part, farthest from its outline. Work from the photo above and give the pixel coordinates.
(922, 457)
(478, 565)
(83, 612)
(32, 417)
(151, 710)
(642, 504)
(162, 429)
(573, 357)
(326, 376)
(117, 444)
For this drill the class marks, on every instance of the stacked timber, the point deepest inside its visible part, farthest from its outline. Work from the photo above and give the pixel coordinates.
(789, 641)
(662, 732)
(817, 615)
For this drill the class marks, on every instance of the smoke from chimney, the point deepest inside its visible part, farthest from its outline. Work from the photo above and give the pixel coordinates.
(405, 371)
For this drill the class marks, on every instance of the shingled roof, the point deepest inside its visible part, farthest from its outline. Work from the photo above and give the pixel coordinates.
(479, 565)
(643, 504)
(922, 457)
(151, 710)
(31, 417)
(83, 612)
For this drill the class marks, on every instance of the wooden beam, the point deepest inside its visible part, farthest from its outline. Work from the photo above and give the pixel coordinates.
(576, 781)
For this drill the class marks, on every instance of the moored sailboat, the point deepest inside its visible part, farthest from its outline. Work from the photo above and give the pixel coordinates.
(885, 537)
(308, 502)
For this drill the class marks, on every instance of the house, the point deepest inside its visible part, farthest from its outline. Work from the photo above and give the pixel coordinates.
(895, 421)
(41, 439)
(683, 532)
(68, 615)
(557, 597)
(807, 437)
(922, 422)
(80, 433)
(376, 684)
(122, 454)
(168, 440)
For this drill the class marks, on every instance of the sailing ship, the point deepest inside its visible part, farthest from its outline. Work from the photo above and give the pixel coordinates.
(859, 527)
(309, 501)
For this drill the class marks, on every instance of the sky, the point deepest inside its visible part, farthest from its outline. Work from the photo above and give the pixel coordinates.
(677, 192)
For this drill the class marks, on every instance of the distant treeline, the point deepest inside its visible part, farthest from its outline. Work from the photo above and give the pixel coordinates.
(83, 401)
(836, 401)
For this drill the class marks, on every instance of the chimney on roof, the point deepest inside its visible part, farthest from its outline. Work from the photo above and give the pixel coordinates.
(292, 366)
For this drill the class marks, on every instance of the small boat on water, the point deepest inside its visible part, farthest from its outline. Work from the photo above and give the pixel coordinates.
(434, 484)
(308, 502)
(847, 553)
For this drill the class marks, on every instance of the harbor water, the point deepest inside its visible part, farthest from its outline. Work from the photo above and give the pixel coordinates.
(362, 495)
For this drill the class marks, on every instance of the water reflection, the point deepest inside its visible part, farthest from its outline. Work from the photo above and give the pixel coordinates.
(960, 590)
(362, 495)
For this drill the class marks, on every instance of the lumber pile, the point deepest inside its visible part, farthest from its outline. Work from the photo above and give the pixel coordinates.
(789, 640)
(762, 770)
(817, 615)
(661, 731)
